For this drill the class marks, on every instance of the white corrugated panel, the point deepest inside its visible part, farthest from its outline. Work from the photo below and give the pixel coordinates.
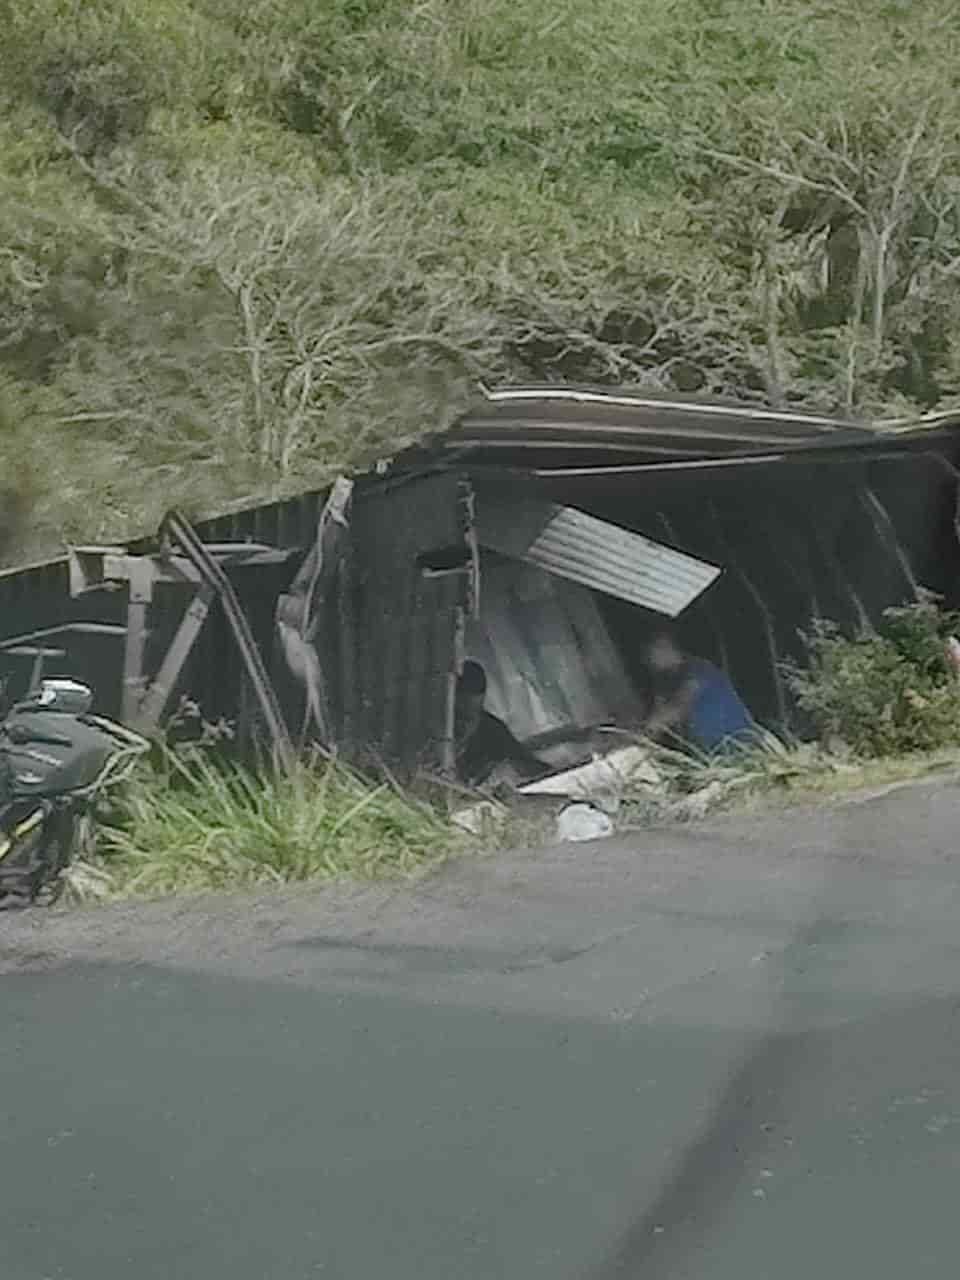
(595, 553)
(550, 660)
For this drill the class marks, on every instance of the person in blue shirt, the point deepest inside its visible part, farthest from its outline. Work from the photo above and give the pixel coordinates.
(694, 700)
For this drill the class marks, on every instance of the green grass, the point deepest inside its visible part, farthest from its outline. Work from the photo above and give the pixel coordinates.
(194, 826)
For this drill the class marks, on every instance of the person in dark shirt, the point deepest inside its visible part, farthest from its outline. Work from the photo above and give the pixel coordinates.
(482, 740)
(694, 699)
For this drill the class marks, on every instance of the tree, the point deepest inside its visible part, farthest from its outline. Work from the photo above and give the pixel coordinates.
(849, 175)
(255, 330)
(245, 245)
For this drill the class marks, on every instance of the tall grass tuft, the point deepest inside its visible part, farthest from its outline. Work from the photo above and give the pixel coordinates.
(769, 772)
(198, 825)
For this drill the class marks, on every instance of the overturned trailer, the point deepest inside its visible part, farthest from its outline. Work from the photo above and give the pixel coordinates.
(544, 534)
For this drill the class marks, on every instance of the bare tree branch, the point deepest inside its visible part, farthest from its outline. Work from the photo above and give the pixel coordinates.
(746, 165)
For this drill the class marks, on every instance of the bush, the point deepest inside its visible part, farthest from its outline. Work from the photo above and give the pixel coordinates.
(195, 824)
(886, 692)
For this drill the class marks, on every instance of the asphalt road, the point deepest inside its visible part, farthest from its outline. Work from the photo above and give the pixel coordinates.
(730, 1052)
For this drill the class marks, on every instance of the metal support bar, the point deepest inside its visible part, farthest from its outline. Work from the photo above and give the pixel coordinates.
(36, 673)
(135, 644)
(107, 568)
(110, 568)
(347, 647)
(65, 628)
(180, 529)
(155, 700)
(448, 749)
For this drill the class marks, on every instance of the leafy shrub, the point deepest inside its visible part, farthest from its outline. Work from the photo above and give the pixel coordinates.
(886, 692)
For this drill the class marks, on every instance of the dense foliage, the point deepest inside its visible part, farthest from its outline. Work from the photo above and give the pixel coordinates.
(244, 244)
(888, 691)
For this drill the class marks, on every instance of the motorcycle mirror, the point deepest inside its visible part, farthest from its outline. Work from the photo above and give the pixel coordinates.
(65, 695)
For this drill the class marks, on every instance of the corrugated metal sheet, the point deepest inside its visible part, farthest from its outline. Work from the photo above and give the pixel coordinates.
(549, 658)
(780, 565)
(38, 596)
(593, 552)
(605, 397)
(567, 426)
(403, 622)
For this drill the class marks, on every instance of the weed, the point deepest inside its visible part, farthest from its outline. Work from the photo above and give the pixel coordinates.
(196, 824)
(769, 774)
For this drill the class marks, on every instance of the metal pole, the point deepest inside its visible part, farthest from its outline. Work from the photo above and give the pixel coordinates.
(135, 643)
(154, 701)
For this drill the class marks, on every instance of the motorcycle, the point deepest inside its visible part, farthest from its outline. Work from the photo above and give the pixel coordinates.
(56, 762)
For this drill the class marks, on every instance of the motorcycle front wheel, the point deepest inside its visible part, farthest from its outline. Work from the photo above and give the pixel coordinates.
(31, 871)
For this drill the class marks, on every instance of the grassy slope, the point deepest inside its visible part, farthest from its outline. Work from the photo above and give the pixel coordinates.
(247, 244)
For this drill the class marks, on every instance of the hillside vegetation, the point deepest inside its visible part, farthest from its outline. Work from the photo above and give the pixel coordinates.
(244, 243)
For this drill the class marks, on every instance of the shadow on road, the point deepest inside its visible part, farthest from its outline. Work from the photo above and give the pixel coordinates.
(711, 1169)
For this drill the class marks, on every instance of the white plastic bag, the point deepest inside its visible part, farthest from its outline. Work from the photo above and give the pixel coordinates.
(583, 822)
